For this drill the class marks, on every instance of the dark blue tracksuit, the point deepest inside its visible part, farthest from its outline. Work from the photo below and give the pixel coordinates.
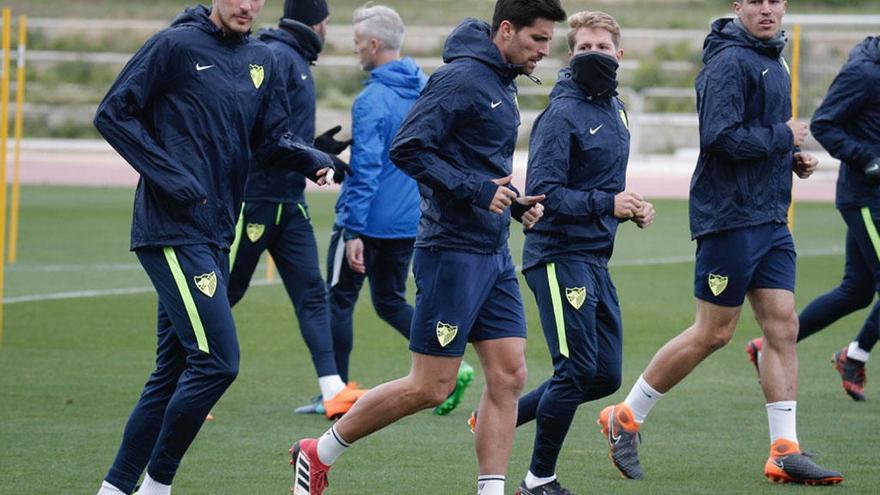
(847, 124)
(379, 204)
(275, 217)
(459, 136)
(189, 112)
(578, 153)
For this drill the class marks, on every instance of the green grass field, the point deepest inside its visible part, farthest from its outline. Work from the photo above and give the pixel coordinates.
(71, 369)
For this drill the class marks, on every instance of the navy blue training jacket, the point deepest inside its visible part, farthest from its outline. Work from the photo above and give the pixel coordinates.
(293, 62)
(459, 136)
(743, 175)
(847, 124)
(378, 199)
(189, 112)
(578, 153)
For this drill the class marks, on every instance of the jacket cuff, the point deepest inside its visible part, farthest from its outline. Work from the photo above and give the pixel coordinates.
(485, 195)
(518, 210)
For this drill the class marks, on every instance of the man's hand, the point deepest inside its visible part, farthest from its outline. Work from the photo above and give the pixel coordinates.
(328, 144)
(323, 176)
(645, 215)
(627, 204)
(799, 130)
(504, 196)
(533, 214)
(804, 164)
(354, 253)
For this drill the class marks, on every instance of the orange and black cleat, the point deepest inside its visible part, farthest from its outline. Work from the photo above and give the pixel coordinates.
(342, 402)
(787, 464)
(622, 433)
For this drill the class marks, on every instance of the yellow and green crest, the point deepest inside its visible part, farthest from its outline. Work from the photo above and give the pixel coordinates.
(255, 231)
(207, 283)
(576, 296)
(717, 284)
(257, 75)
(446, 333)
(623, 118)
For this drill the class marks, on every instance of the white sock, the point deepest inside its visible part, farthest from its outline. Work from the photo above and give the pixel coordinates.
(108, 489)
(641, 399)
(331, 446)
(153, 487)
(857, 353)
(330, 386)
(490, 484)
(532, 481)
(783, 424)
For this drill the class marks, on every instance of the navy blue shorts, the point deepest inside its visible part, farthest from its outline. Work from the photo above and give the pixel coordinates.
(733, 262)
(464, 297)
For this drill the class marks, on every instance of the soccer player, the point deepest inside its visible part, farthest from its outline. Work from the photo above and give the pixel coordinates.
(377, 213)
(275, 216)
(577, 158)
(847, 124)
(457, 142)
(190, 111)
(739, 198)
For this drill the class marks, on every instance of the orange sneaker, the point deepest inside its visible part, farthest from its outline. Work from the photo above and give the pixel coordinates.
(210, 416)
(787, 464)
(622, 433)
(342, 402)
(472, 422)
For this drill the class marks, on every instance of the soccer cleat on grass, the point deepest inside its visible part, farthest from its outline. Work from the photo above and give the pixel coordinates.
(753, 350)
(852, 373)
(342, 402)
(787, 464)
(472, 422)
(309, 473)
(315, 406)
(552, 488)
(465, 377)
(622, 433)
(210, 416)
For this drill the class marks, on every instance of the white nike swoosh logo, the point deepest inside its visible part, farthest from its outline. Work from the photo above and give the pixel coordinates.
(203, 67)
(594, 131)
(303, 77)
(496, 103)
(765, 72)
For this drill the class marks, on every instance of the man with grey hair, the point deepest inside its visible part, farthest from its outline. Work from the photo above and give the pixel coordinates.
(377, 212)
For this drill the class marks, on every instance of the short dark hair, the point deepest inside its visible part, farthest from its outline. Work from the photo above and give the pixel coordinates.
(524, 13)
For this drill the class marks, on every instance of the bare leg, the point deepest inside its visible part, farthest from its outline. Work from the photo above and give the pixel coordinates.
(504, 363)
(774, 310)
(429, 382)
(712, 329)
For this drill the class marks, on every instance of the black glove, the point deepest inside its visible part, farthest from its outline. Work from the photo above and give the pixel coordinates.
(872, 171)
(340, 169)
(326, 143)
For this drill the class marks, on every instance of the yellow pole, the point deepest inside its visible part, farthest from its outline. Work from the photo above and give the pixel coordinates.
(795, 88)
(4, 134)
(19, 117)
(270, 268)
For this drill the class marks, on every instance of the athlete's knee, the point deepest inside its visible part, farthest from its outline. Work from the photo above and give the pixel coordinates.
(781, 331)
(425, 394)
(509, 380)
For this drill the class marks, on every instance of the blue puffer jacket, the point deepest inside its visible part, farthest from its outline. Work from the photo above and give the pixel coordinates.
(848, 124)
(378, 199)
(189, 112)
(578, 153)
(294, 58)
(743, 175)
(459, 136)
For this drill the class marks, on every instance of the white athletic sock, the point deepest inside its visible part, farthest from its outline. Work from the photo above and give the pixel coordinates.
(782, 418)
(108, 489)
(641, 399)
(490, 484)
(153, 487)
(857, 353)
(331, 446)
(330, 386)
(532, 481)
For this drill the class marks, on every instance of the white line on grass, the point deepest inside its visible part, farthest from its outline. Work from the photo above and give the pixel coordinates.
(671, 260)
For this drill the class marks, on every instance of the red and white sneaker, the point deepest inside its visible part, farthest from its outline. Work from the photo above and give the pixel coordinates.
(309, 473)
(753, 351)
